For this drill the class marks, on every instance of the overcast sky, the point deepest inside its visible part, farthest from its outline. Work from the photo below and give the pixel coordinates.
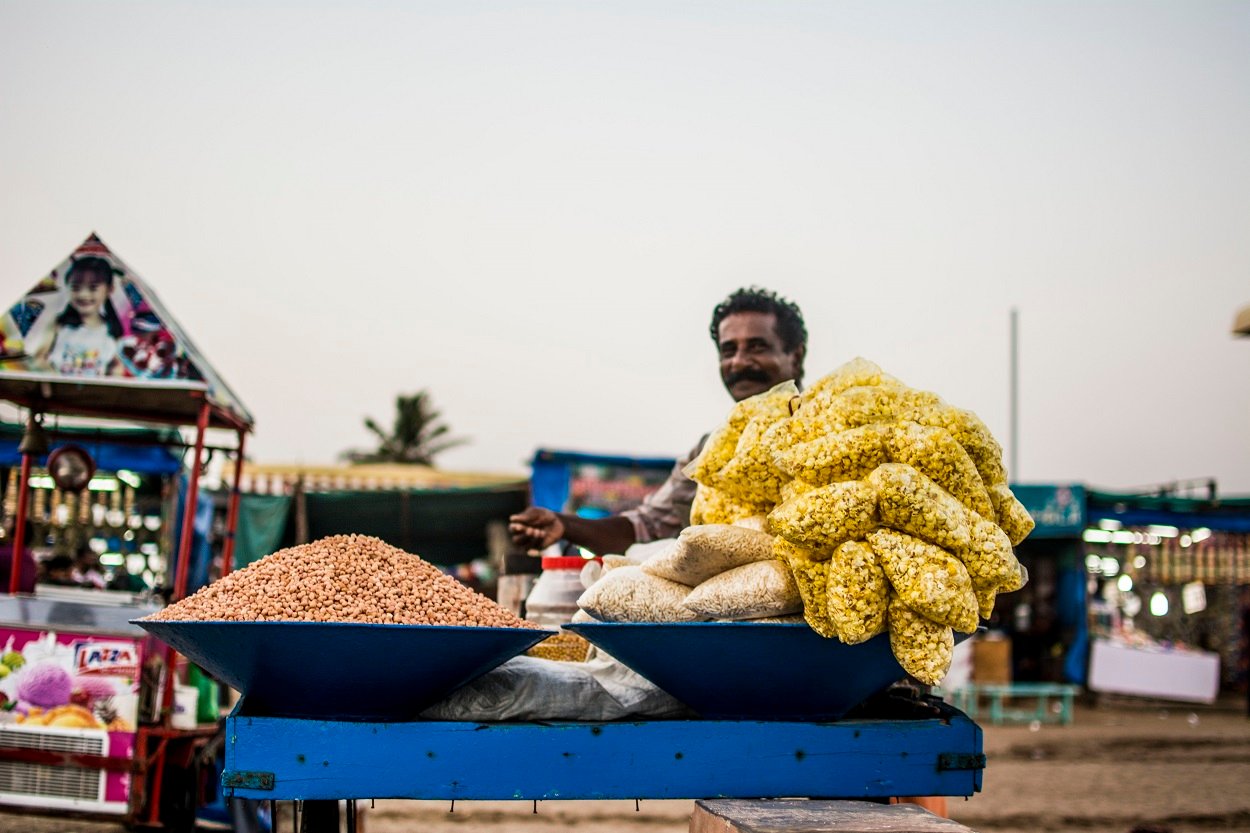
(530, 209)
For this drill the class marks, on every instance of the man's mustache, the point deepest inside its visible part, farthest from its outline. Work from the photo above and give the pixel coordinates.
(747, 375)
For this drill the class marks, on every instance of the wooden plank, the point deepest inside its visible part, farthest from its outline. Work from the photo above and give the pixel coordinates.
(802, 816)
(313, 759)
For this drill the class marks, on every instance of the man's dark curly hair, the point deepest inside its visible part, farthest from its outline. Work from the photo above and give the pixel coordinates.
(790, 326)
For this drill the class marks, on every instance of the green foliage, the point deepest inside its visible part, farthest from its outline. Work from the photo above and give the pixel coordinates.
(418, 433)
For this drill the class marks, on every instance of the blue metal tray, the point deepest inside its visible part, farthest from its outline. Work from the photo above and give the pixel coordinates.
(751, 671)
(339, 670)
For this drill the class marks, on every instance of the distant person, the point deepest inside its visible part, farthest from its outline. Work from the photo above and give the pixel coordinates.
(29, 569)
(87, 572)
(84, 340)
(123, 579)
(762, 340)
(59, 570)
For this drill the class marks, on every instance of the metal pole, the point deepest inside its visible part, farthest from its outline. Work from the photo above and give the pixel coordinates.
(184, 556)
(188, 510)
(19, 523)
(232, 514)
(1015, 395)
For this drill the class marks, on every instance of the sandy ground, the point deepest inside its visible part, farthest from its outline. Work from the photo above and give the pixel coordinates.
(1118, 765)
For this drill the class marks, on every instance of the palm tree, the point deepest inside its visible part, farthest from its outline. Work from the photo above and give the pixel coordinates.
(417, 435)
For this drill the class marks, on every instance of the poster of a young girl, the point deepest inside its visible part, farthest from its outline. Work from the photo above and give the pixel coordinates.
(83, 341)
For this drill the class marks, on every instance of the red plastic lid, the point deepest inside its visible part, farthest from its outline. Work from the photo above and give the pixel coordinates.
(563, 562)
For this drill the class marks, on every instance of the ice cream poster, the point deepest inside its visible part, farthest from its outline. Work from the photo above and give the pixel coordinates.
(90, 317)
(58, 684)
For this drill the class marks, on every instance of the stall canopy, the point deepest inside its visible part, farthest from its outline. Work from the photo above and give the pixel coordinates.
(142, 450)
(1224, 514)
(92, 338)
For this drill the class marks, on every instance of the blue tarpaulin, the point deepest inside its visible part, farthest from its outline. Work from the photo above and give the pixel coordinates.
(139, 451)
(551, 472)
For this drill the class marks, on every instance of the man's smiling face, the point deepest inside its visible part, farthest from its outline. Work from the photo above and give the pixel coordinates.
(753, 358)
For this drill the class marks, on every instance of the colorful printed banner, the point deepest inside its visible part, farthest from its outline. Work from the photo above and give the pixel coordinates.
(93, 317)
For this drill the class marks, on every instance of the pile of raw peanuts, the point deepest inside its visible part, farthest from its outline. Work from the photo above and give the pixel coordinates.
(343, 578)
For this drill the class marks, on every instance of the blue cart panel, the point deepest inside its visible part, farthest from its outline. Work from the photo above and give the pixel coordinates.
(300, 759)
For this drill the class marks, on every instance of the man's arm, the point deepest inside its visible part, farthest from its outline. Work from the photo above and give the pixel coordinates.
(536, 529)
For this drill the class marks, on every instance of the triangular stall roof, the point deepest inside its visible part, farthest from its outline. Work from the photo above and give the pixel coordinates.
(92, 338)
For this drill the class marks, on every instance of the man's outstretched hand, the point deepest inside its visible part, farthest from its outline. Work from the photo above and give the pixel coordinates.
(535, 529)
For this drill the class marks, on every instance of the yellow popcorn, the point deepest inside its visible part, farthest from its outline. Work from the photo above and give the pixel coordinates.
(934, 452)
(810, 569)
(863, 406)
(985, 600)
(847, 455)
(716, 453)
(1020, 579)
(929, 580)
(910, 502)
(970, 432)
(790, 490)
(988, 555)
(827, 516)
(923, 647)
(914, 405)
(751, 475)
(858, 372)
(859, 594)
(722, 444)
(801, 427)
(1012, 516)
(712, 506)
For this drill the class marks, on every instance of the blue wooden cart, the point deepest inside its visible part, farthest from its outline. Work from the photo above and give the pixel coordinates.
(842, 734)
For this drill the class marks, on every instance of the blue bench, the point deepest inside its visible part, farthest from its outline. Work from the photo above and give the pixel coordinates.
(1001, 706)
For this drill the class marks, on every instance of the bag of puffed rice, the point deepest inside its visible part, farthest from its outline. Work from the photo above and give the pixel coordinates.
(707, 550)
(763, 588)
(627, 594)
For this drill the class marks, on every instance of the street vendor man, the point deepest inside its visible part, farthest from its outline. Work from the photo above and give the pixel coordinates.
(762, 340)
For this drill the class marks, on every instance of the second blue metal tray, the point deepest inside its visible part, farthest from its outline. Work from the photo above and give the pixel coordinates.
(750, 671)
(344, 671)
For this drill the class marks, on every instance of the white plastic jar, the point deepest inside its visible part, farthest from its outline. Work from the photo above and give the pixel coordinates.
(553, 600)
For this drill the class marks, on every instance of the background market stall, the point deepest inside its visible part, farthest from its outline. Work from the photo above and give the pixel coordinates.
(92, 341)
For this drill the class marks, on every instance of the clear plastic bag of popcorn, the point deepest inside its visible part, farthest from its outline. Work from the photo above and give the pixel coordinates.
(916, 405)
(859, 594)
(713, 506)
(810, 571)
(766, 408)
(709, 549)
(716, 453)
(827, 516)
(1014, 519)
(1021, 578)
(751, 591)
(988, 555)
(861, 406)
(933, 452)
(928, 579)
(751, 475)
(923, 647)
(846, 455)
(910, 502)
(986, 597)
(970, 432)
(801, 427)
(858, 372)
(792, 489)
